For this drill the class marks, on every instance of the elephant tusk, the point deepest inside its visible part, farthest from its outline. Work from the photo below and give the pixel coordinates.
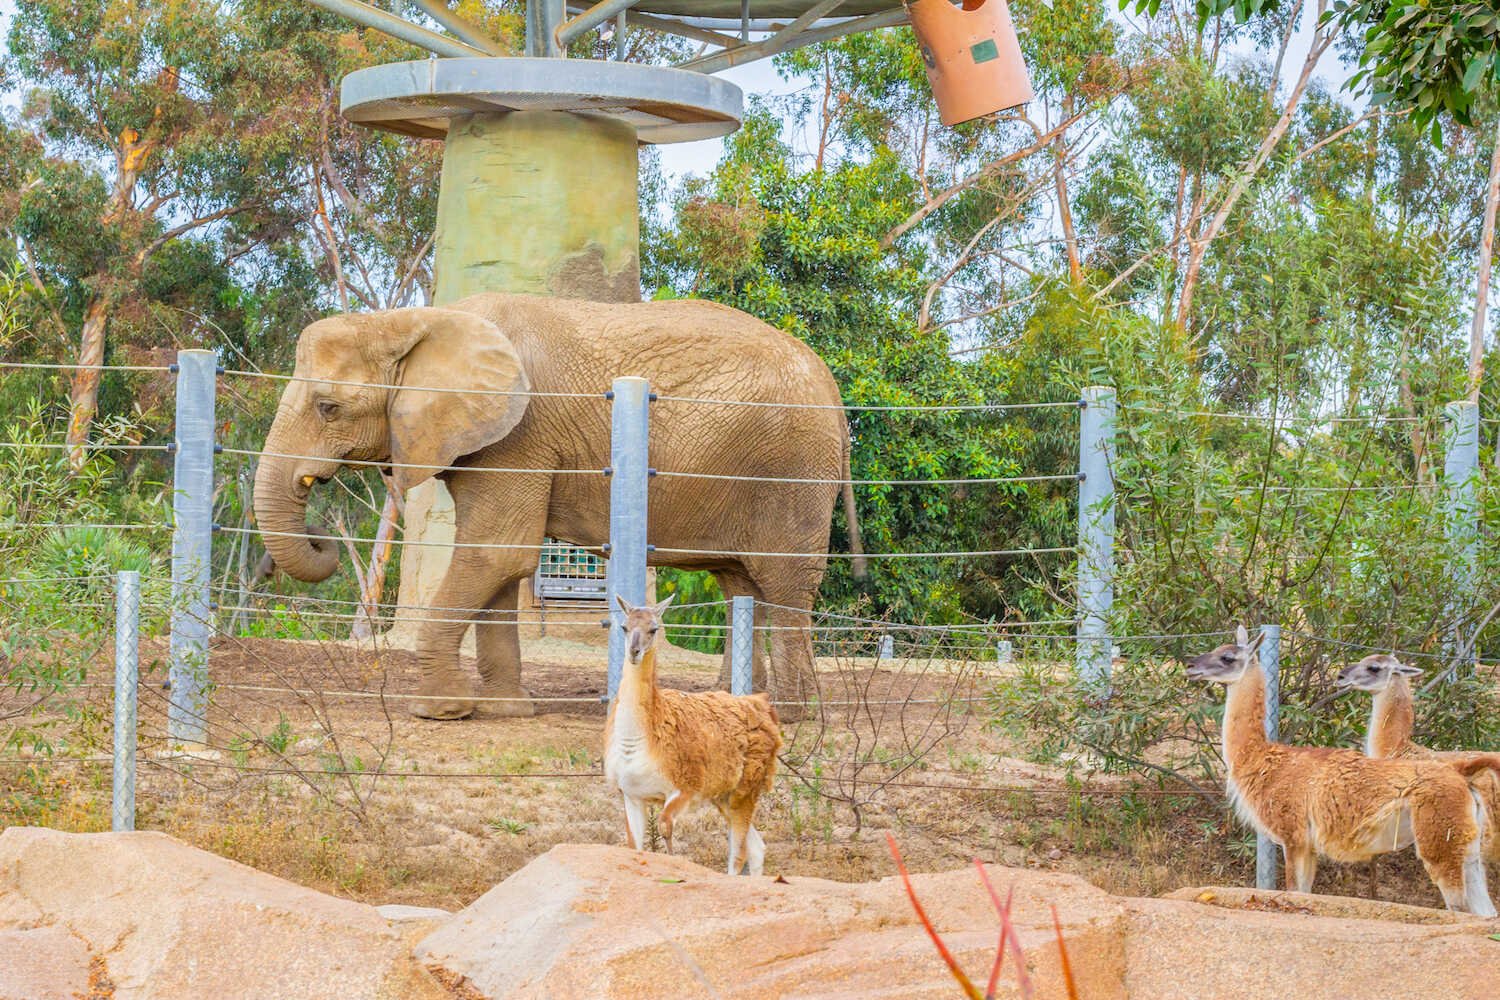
(309, 480)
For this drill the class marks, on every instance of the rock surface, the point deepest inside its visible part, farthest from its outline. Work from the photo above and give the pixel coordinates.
(144, 916)
(157, 919)
(590, 922)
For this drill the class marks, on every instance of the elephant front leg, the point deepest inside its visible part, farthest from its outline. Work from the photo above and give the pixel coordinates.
(445, 693)
(474, 578)
(482, 575)
(499, 647)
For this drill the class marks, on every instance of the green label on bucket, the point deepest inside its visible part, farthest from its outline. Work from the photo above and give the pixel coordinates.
(984, 51)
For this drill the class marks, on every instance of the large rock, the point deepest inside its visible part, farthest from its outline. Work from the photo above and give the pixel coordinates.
(597, 922)
(609, 922)
(153, 918)
(143, 916)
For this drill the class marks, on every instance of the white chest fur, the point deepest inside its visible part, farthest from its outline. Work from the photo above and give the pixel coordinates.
(627, 760)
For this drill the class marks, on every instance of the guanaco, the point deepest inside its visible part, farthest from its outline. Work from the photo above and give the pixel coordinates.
(1339, 803)
(1388, 733)
(672, 748)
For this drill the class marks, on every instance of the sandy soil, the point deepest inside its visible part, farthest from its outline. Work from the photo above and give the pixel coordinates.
(351, 794)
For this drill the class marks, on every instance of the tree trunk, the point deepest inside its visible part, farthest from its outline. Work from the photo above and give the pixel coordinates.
(1198, 247)
(1064, 210)
(1486, 265)
(84, 396)
(131, 156)
(374, 577)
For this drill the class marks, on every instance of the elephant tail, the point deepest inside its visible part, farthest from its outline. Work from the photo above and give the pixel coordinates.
(858, 566)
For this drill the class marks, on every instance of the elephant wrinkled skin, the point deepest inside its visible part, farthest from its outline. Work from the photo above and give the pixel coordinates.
(529, 345)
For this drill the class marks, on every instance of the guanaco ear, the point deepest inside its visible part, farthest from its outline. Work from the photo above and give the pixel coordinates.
(663, 605)
(1400, 668)
(1241, 637)
(1254, 643)
(431, 349)
(624, 604)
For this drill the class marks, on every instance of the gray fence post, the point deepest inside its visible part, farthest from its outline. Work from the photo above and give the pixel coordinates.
(192, 545)
(1461, 509)
(1267, 854)
(1096, 533)
(625, 574)
(742, 644)
(127, 676)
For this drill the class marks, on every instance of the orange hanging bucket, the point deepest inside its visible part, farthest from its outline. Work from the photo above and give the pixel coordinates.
(972, 55)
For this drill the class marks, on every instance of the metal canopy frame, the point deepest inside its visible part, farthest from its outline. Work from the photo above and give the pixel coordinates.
(550, 28)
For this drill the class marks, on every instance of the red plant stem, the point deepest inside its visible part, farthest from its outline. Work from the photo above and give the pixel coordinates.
(969, 988)
(1004, 912)
(1062, 952)
(1007, 930)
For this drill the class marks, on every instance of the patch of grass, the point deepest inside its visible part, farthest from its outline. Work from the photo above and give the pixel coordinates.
(506, 824)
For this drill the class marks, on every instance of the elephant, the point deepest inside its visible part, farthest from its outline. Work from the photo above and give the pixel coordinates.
(339, 408)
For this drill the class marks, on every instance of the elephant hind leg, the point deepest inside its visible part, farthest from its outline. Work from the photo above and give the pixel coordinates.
(790, 588)
(736, 583)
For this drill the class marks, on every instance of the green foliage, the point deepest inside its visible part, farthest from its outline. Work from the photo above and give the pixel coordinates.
(1428, 56)
(1433, 56)
(693, 587)
(1154, 722)
(1200, 117)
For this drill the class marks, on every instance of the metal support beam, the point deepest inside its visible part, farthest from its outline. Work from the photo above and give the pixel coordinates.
(589, 19)
(625, 575)
(794, 36)
(390, 24)
(127, 677)
(1096, 534)
(542, 20)
(192, 545)
(1267, 854)
(462, 29)
(742, 644)
(620, 37)
(682, 29)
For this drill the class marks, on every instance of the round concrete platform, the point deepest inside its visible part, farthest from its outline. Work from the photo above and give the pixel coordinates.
(661, 104)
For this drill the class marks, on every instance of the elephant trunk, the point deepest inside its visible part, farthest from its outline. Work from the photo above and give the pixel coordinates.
(281, 510)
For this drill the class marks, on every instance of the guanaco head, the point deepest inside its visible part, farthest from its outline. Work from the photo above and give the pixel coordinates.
(640, 626)
(1226, 664)
(1374, 673)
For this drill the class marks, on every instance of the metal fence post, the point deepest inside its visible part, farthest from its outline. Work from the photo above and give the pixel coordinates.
(742, 644)
(625, 574)
(1267, 854)
(1461, 509)
(192, 545)
(1096, 533)
(127, 675)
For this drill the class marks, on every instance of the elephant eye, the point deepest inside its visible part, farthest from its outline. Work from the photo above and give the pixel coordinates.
(327, 409)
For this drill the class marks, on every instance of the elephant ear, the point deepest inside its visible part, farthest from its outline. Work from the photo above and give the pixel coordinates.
(446, 349)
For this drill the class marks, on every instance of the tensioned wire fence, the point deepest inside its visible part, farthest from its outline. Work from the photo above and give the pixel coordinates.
(925, 678)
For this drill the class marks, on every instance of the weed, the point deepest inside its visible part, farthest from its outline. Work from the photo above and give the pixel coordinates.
(507, 825)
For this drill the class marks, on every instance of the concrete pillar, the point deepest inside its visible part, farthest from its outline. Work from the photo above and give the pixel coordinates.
(544, 202)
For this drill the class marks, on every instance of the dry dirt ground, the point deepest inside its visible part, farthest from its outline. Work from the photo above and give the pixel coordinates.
(352, 795)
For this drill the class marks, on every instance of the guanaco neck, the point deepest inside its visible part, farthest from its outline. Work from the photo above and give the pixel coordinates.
(636, 699)
(1244, 731)
(1392, 717)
